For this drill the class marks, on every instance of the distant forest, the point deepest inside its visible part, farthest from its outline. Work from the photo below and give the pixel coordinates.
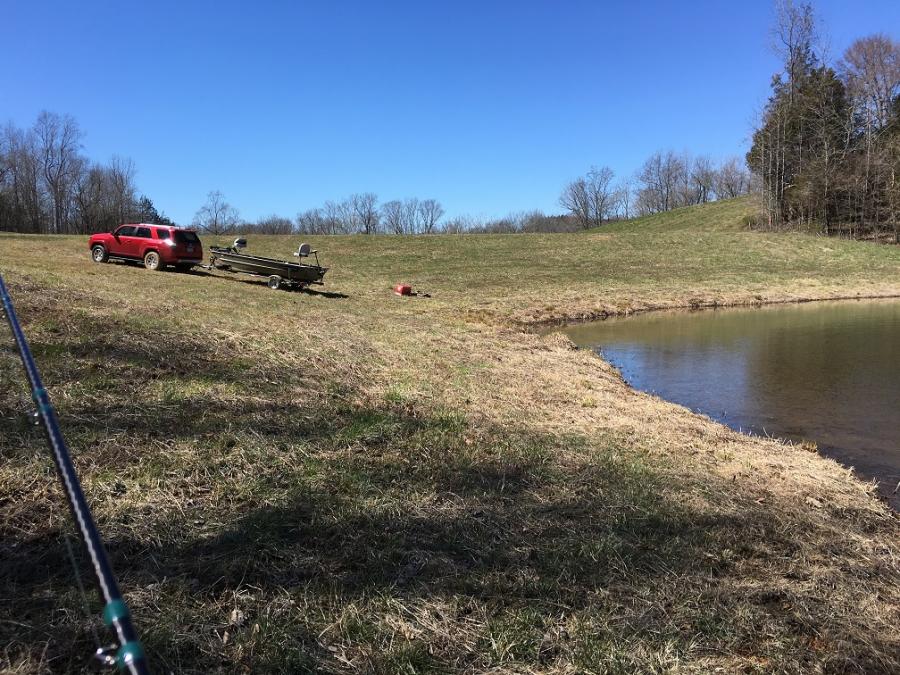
(47, 185)
(827, 149)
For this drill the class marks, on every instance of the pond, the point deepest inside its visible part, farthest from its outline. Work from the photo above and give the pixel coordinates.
(826, 371)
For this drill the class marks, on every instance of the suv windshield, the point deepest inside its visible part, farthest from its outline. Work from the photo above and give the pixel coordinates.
(182, 237)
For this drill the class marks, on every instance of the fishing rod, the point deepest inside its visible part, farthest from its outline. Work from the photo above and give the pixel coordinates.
(129, 654)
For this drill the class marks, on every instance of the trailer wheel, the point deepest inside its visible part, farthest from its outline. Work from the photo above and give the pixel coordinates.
(152, 261)
(99, 254)
(275, 282)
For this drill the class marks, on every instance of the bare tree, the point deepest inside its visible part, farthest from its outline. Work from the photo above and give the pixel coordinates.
(576, 199)
(91, 204)
(337, 218)
(410, 214)
(703, 178)
(392, 215)
(311, 222)
(591, 198)
(59, 140)
(121, 188)
(624, 198)
(731, 179)
(429, 213)
(871, 70)
(661, 178)
(21, 181)
(795, 35)
(216, 216)
(363, 212)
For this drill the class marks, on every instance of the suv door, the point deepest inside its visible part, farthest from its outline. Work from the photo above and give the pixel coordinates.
(141, 239)
(121, 241)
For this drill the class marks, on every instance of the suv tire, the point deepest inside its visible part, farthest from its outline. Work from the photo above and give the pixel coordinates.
(152, 261)
(99, 254)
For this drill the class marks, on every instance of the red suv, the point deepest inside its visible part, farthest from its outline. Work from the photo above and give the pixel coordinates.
(156, 245)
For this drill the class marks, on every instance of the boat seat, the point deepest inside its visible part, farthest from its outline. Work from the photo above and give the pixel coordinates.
(304, 251)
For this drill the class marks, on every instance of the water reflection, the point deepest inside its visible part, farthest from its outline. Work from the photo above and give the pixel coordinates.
(829, 372)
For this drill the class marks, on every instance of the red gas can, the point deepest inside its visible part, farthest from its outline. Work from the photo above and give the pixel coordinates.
(403, 289)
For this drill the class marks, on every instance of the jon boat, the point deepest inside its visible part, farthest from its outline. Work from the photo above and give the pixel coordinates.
(280, 273)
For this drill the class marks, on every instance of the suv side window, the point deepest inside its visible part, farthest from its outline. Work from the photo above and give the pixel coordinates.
(125, 231)
(163, 234)
(143, 232)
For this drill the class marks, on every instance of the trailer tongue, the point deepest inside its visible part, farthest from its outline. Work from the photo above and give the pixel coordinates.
(280, 273)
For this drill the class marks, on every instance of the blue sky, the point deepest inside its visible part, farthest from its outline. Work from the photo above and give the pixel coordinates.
(489, 107)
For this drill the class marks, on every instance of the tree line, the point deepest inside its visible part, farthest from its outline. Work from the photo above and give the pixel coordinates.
(827, 148)
(48, 186)
(666, 180)
(359, 213)
(363, 214)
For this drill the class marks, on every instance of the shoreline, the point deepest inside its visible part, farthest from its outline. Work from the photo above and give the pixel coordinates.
(541, 326)
(545, 329)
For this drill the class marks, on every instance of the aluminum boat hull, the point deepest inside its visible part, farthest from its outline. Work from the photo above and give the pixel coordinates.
(295, 273)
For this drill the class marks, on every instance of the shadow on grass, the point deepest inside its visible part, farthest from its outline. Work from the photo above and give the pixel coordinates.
(261, 283)
(486, 531)
(384, 501)
(331, 295)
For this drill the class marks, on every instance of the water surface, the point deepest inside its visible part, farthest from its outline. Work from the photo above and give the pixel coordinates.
(827, 372)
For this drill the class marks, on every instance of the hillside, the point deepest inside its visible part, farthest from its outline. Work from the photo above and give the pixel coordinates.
(345, 480)
(730, 215)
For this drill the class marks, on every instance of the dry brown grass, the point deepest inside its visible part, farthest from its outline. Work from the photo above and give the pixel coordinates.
(305, 482)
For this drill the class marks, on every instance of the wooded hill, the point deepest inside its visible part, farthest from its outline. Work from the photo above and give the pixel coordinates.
(827, 151)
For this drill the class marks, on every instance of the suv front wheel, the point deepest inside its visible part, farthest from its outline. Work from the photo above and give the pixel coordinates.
(99, 254)
(152, 261)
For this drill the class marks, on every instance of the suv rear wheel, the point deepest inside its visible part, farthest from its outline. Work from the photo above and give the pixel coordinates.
(152, 261)
(99, 254)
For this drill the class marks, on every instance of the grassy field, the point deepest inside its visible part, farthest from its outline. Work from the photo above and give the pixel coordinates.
(348, 481)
